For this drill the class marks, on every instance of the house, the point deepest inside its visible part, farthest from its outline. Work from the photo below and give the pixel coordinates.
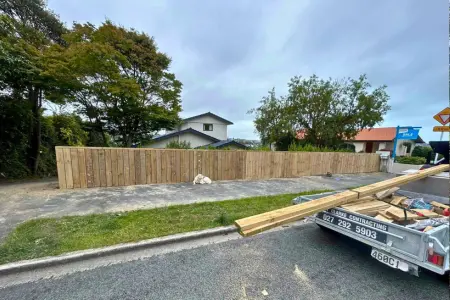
(230, 144)
(376, 139)
(206, 129)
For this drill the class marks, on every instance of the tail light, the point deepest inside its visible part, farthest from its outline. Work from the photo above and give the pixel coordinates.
(433, 257)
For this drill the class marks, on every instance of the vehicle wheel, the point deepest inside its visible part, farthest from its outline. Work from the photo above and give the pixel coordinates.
(445, 278)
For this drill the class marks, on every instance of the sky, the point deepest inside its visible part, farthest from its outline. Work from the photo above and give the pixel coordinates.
(229, 54)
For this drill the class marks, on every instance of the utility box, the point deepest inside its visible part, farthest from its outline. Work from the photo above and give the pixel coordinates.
(385, 160)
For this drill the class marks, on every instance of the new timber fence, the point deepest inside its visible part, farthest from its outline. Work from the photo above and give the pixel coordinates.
(81, 167)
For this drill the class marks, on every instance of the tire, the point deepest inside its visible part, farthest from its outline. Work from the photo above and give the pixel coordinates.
(445, 278)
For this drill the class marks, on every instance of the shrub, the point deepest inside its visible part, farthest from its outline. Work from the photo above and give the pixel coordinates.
(311, 148)
(421, 151)
(261, 148)
(68, 129)
(411, 160)
(178, 145)
(209, 147)
(347, 147)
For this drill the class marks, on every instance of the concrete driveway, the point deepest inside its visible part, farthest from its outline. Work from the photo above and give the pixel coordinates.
(24, 201)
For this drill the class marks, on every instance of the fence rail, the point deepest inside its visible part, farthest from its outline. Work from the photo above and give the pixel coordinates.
(81, 167)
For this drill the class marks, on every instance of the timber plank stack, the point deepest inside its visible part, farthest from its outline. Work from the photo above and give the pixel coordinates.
(258, 223)
(399, 214)
(369, 208)
(361, 200)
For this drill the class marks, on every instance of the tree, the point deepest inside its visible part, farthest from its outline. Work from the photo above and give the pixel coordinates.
(119, 80)
(27, 28)
(14, 136)
(271, 122)
(68, 130)
(34, 16)
(326, 112)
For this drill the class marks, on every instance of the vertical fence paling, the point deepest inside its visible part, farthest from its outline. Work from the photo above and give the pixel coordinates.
(81, 167)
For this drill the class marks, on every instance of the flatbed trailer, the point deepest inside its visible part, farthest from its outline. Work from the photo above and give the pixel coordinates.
(395, 245)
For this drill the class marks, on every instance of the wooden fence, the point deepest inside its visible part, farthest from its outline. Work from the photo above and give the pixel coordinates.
(81, 167)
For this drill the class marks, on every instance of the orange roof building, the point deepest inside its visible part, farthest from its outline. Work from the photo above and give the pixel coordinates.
(379, 139)
(376, 139)
(383, 134)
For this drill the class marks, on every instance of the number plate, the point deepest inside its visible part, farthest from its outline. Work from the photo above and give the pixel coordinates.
(389, 260)
(357, 228)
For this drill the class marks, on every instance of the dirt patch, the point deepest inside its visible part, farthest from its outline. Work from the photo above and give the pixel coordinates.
(45, 186)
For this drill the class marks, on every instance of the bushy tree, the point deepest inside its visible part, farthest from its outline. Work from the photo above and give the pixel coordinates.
(27, 28)
(68, 130)
(14, 136)
(118, 80)
(325, 111)
(271, 122)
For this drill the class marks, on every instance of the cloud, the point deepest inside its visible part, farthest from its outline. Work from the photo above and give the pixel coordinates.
(228, 54)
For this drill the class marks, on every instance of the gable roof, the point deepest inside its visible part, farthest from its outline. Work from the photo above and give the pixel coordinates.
(225, 143)
(382, 134)
(189, 130)
(210, 114)
(376, 134)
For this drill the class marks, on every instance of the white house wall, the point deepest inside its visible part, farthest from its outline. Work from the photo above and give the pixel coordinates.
(195, 140)
(384, 145)
(401, 150)
(219, 128)
(161, 143)
(359, 146)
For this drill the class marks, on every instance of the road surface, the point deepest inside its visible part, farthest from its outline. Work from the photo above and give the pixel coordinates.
(300, 262)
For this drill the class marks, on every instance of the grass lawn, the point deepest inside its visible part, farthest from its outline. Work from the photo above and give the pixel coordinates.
(53, 236)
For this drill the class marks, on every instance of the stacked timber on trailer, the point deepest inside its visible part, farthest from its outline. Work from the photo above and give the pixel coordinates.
(258, 223)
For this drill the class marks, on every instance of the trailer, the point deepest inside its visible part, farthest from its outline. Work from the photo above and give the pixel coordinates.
(394, 245)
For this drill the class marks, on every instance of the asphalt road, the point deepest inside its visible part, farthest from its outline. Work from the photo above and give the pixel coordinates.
(295, 263)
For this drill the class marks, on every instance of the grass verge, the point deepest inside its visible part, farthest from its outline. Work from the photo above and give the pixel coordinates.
(53, 236)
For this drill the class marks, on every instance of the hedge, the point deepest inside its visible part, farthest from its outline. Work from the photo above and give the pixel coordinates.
(410, 160)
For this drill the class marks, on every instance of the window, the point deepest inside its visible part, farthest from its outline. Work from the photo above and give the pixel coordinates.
(207, 127)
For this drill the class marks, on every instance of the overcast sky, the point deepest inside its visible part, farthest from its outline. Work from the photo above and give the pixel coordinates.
(228, 54)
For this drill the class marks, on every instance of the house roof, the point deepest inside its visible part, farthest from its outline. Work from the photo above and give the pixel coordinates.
(376, 134)
(382, 134)
(300, 135)
(189, 130)
(210, 114)
(226, 143)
